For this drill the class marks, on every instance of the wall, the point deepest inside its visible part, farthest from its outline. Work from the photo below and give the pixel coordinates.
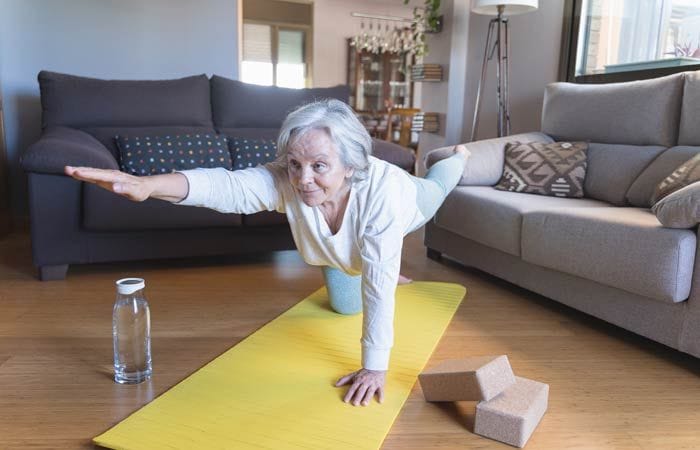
(128, 39)
(333, 25)
(535, 41)
(278, 11)
(449, 49)
(135, 39)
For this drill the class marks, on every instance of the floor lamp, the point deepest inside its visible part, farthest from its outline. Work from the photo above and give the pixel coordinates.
(497, 42)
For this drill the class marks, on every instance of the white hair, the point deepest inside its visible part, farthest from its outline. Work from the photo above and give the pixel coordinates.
(341, 124)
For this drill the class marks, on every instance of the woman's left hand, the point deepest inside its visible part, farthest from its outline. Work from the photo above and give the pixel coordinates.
(365, 384)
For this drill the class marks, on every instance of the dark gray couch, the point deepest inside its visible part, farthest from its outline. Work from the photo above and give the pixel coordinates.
(607, 254)
(79, 223)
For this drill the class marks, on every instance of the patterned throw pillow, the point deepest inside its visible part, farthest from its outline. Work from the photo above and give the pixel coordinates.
(251, 152)
(687, 173)
(556, 169)
(150, 155)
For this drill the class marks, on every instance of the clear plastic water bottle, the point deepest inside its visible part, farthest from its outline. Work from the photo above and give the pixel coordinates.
(131, 330)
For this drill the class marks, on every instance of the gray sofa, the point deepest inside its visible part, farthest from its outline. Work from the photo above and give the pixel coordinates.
(606, 254)
(79, 223)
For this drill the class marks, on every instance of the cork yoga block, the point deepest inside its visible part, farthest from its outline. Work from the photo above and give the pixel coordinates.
(471, 379)
(512, 416)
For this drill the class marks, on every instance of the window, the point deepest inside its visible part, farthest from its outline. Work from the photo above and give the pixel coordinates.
(617, 40)
(273, 55)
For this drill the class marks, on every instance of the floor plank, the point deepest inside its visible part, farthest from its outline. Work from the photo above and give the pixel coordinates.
(609, 388)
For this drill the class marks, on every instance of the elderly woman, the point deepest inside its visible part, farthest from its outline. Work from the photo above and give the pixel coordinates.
(347, 210)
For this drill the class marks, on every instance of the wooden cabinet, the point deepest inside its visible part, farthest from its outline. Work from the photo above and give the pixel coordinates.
(376, 79)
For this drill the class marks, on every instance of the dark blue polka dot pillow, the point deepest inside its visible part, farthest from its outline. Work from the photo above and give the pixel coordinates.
(151, 155)
(251, 152)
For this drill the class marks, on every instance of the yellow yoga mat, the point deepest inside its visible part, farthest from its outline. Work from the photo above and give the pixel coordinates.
(274, 389)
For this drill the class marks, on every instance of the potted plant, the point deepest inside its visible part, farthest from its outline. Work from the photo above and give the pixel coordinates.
(425, 20)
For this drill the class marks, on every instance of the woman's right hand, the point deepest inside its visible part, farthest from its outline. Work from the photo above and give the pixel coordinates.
(132, 187)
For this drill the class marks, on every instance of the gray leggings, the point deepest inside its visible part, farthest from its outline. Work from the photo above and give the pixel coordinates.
(344, 291)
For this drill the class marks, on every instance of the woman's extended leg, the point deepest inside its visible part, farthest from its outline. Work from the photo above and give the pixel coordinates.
(439, 181)
(344, 291)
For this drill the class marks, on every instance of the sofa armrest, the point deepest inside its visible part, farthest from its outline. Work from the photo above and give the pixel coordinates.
(485, 165)
(394, 153)
(60, 146)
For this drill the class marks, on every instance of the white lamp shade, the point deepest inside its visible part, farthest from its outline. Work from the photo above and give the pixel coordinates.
(511, 7)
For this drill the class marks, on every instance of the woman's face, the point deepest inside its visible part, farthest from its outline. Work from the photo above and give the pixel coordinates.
(315, 168)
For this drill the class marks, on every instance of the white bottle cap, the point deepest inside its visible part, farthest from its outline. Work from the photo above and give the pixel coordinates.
(127, 286)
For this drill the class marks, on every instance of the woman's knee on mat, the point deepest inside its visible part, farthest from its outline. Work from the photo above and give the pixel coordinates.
(344, 291)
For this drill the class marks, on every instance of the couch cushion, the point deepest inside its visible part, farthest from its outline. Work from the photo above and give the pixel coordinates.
(251, 152)
(494, 218)
(626, 248)
(613, 168)
(105, 211)
(80, 102)
(106, 134)
(689, 133)
(236, 104)
(251, 133)
(643, 112)
(685, 174)
(153, 154)
(680, 209)
(556, 168)
(642, 190)
(264, 218)
(388, 151)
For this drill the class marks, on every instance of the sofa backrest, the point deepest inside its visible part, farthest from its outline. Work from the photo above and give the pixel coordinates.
(642, 189)
(241, 105)
(689, 132)
(612, 168)
(643, 112)
(81, 102)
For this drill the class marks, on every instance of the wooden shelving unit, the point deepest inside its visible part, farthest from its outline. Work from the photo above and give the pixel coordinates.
(376, 79)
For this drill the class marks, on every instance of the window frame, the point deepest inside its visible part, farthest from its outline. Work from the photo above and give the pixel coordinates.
(275, 28)
(567, 57)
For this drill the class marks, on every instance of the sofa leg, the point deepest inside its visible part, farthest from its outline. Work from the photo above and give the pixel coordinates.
(50, 273)
(434, 254)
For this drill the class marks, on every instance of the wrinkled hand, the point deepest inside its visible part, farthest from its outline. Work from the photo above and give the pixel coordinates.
(132, 187)
(365, 384)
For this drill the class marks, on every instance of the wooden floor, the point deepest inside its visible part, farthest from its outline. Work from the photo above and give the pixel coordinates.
(609, 389)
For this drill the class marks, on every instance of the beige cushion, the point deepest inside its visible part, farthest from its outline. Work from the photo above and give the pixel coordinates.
(494, 218)
(556, 168)
(680, 209)
(687, 173)
(625, 248)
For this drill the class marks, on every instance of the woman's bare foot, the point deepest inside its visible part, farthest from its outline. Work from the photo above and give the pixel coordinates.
(404, 280)
(463, 150)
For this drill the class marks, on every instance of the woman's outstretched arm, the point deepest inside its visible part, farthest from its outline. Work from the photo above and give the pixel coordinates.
(172, 187)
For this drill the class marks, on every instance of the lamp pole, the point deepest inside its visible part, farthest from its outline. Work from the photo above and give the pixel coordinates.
(496, 42)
